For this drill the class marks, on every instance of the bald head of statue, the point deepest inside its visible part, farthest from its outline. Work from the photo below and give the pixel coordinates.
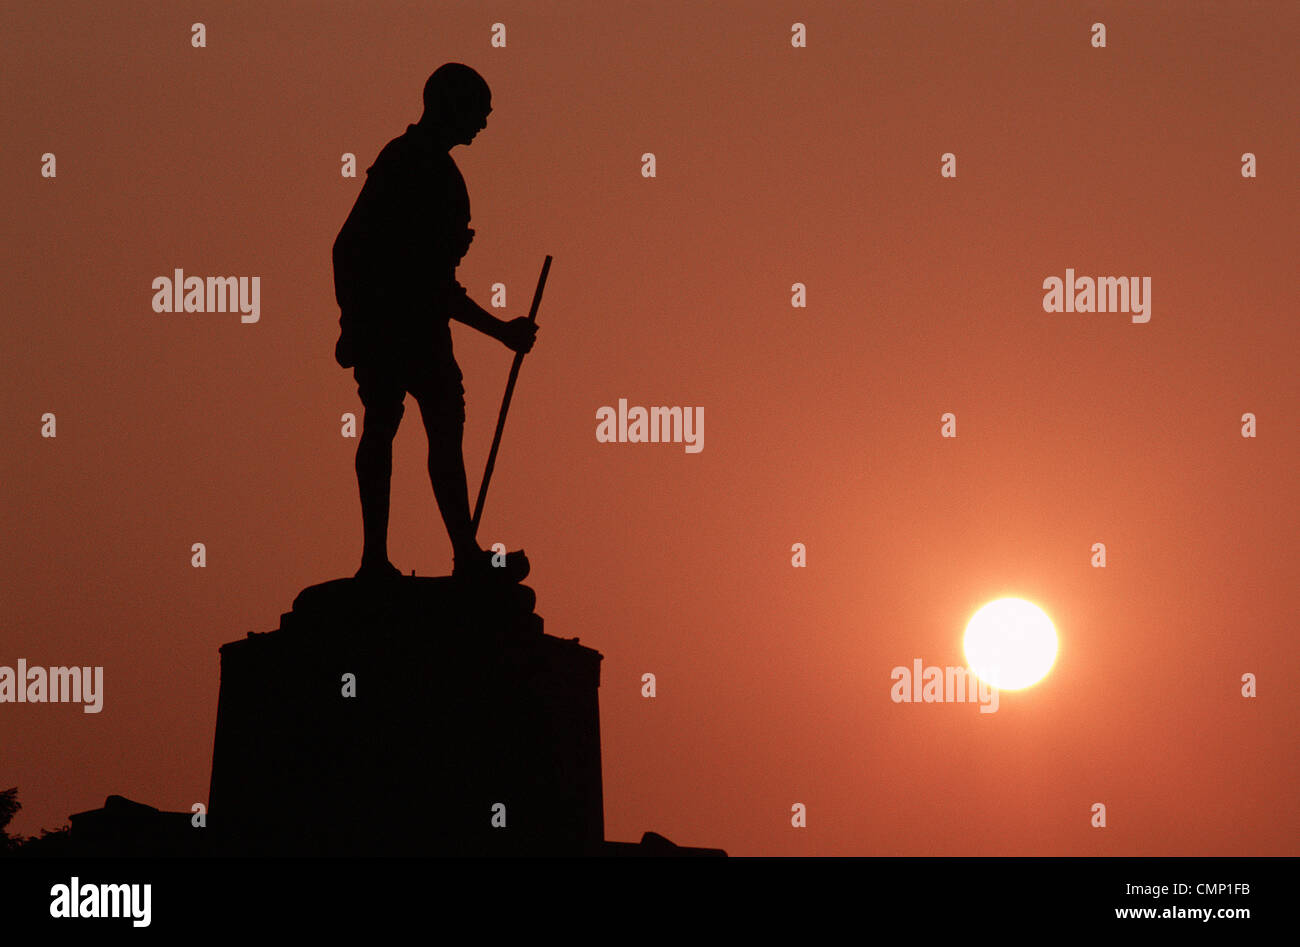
(457, 102)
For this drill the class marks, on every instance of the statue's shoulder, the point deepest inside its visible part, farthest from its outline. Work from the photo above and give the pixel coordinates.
(394, 158)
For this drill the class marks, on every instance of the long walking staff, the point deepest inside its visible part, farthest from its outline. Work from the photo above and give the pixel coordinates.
(505, 404)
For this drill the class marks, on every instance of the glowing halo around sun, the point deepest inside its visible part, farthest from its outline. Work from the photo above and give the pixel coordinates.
(1010, 644)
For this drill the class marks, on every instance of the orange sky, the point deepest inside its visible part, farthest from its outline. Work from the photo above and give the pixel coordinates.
(774, 165)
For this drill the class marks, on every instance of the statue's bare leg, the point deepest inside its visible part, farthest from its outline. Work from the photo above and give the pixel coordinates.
(374, 466)
(445, 426)
(447, 474)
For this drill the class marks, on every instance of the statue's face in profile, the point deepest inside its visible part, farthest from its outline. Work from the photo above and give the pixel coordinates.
(471, 120)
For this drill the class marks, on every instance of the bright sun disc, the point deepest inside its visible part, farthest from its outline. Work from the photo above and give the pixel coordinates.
(1010, 643)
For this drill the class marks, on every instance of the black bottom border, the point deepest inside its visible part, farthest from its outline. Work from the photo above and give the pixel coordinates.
(985, 895)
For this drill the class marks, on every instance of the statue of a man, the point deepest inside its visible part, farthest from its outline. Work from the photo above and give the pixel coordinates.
(395, 280)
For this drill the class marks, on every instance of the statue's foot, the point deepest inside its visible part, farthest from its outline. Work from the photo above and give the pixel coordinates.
(479, 565)
(378, 570)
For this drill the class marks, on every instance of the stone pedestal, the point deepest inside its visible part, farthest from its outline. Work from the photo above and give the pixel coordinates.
(465, 713)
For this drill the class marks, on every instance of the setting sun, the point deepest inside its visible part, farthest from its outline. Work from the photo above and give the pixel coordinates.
(1010, 643)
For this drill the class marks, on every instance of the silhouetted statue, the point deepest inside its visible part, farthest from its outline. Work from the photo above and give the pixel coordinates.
(394, 277)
